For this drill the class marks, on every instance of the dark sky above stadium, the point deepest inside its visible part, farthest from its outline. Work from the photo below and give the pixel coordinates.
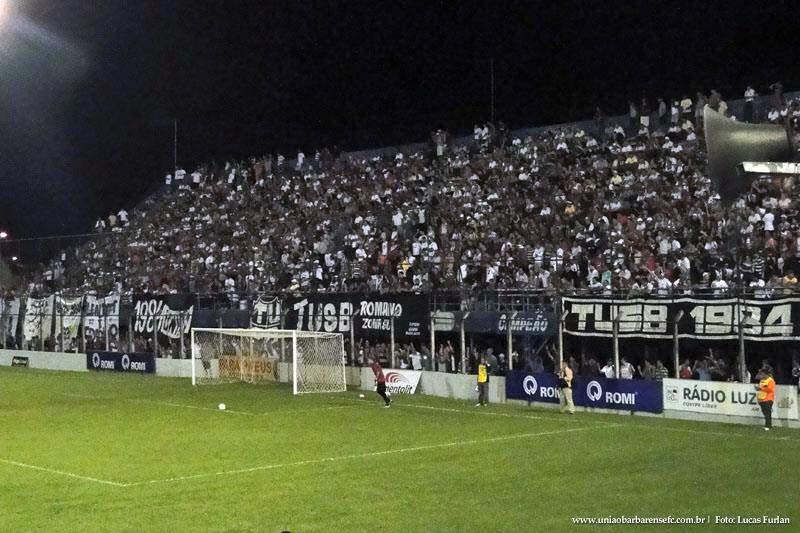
(89, 90)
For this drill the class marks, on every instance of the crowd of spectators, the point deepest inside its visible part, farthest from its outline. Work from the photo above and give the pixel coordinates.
(714, 365)
(599, 209)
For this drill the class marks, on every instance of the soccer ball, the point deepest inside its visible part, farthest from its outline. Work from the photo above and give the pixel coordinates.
(360, 395)
(222, 407)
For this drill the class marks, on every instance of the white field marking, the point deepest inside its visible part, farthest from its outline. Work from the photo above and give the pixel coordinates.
(232, 411)
(186, 406)
(477, 411)
(367, 455)
(62, 473)
(249, 413)
(714, 433)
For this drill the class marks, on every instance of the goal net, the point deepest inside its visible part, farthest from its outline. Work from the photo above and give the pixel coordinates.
(313, 361)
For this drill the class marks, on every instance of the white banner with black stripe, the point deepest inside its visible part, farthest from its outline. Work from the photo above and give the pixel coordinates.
(696, 318)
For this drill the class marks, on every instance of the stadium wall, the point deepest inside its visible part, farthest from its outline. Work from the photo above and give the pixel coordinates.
(75, 362)
(169, 368)
(678, 415)
(456, 386)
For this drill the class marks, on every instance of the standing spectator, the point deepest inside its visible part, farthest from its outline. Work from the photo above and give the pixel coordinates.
(766, 396)
(660, 373)
(565, 385)
(483, 382)
(648, 371)
(663, 116)
(600, 122)
(633, 118)
(777, 94)
(685, 371)
(796, 372)
(445, 355)
(701, 368)
(625, 369)
(675, 111)
(197, 179)
(749, 102)
(644, 113)
(608, 370)
(686, 107)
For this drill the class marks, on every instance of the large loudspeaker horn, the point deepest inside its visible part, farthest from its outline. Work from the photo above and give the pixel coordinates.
(730, 143)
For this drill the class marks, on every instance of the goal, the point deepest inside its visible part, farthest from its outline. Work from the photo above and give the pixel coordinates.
(314, 361)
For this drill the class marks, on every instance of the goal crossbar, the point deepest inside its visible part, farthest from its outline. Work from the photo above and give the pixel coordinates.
(224, 355)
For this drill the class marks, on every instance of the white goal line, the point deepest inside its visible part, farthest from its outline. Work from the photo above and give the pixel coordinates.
(366, 455)
(333, 459)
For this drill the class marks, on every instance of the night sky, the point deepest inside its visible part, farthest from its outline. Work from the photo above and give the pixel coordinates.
(89, 90)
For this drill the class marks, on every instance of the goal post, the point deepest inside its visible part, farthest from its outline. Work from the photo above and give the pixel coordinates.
(227, 355)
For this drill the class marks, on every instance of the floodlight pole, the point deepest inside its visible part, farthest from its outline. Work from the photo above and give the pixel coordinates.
(183, 342)
(433, 344)
(509, 340)
(353, 338)
(561, 339)
(391, 344)
(615, 322)
(105, 326)
(194, 370)
(742, 362)
(130, 330)
(294, 361)
(463, 347)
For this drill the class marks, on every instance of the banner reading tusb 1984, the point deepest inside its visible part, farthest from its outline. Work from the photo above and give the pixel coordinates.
(702, 318)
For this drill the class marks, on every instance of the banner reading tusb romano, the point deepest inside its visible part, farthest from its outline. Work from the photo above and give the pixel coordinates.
(369, 314)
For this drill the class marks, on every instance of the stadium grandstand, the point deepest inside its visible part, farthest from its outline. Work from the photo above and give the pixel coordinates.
(618, 207)
(581, 323)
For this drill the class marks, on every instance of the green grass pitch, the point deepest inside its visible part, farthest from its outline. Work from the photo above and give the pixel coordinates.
(89, 452)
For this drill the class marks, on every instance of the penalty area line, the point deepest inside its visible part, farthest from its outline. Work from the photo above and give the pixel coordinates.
(368, 455)
(477, 411)
(62, 473)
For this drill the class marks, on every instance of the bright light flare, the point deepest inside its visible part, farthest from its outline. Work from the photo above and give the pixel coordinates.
(5, 12)
(3, 234)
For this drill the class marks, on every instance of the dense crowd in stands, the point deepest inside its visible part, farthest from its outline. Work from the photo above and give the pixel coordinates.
(604, 209)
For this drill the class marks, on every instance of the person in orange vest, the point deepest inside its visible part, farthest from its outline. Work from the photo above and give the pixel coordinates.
(766, 395)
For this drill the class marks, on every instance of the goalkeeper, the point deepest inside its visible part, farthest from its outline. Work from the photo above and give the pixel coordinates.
(380, 381)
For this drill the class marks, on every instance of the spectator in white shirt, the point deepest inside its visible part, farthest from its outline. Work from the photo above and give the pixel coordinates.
(608, 370)
(625, 369)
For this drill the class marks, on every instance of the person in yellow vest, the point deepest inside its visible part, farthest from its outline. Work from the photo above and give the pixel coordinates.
(766, 395)
(483, 382)
(565, 384)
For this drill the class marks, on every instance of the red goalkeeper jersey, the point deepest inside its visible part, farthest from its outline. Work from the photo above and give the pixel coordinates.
(378, 371)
